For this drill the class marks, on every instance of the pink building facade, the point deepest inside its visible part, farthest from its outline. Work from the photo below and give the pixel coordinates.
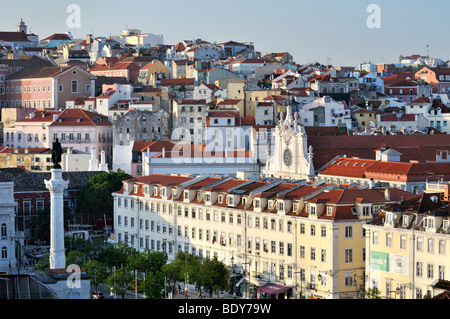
(46, 88)
(76, 128)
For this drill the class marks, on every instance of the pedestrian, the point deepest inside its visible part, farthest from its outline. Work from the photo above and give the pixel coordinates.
(234, 295)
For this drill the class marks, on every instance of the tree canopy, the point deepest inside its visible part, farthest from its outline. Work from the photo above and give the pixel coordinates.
(95, 197)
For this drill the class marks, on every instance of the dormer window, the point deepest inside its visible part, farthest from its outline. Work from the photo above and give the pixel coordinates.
(256, 203)
(155, 190)
(207, 197)
(220, 199)
(163, 191)
(230, 200)
(270, 204)
(445, 224)
(389, 219)
(186, 194)
(330, 210)
(429, 222)
(280, 206)
(405, 220)
(295, 207)
(136, 188)
(244, 200)
(366, 210)
(311, 209)
(145, 189)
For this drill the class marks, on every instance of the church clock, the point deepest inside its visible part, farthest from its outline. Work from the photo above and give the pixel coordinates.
(287, 157)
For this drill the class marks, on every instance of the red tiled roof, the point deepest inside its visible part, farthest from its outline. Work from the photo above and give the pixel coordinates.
(349, 167)
(80, 117)
(224, 187)
(155, 146)
(58, 36)
(187, 81)
(391, 117)
(420, 100)
(229, 102)
(386, 170)
(13, 37)
(162, 180)
(40, 116)
(413, 147)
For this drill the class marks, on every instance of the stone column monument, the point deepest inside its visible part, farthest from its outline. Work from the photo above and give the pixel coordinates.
(70, 282)
(57, 185)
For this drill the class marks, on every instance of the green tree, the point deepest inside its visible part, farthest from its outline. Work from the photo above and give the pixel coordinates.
(120, 281)
(115, 255)
(153, 285)
(184, 267)
(96, 198)
(98, 271)
(147, 261)
(43, 262)
(40, 225)
(215, 274)
(371, 293)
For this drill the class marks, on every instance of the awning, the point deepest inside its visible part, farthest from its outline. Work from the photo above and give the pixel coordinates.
(273, 289)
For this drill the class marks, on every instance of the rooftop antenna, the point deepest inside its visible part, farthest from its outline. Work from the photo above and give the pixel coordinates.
(428, 50)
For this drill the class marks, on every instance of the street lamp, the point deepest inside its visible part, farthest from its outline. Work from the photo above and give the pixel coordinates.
(396, 291)
(301, 282)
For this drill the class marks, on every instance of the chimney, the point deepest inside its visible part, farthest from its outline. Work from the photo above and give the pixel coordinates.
(447, 192)
(387, 194)
(88, 39)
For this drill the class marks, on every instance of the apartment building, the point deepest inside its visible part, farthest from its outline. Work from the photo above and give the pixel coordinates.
(47, 87)
(76, 128)
(408, 247)
(305, 238)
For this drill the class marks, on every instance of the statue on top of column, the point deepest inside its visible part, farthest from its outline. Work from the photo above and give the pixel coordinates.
(56, 154)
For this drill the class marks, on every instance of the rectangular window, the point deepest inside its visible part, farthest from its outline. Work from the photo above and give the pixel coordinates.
(348, 255)
(74, 86)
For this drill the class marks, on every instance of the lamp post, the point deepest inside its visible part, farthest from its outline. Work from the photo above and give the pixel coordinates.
(396, 291)
(301, 282)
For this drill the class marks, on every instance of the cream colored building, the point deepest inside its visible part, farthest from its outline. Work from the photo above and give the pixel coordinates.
(305, 238)
(331, 239)
(408, 247)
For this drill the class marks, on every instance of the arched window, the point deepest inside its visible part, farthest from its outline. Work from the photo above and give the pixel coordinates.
(3, 231)
(4, 252)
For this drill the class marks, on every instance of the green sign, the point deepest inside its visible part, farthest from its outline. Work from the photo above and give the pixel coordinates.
(379, 261)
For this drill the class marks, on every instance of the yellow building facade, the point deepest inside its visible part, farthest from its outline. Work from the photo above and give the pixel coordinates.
(331, 252)
(409, 249)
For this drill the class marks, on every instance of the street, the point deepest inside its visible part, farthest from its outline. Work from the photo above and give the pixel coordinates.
(192, 293)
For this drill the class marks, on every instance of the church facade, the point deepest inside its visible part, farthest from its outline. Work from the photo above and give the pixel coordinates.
(290, 157)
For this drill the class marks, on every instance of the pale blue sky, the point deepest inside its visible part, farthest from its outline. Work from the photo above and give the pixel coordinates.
(321, 30)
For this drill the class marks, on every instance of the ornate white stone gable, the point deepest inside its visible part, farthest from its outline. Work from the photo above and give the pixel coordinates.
(290, 156)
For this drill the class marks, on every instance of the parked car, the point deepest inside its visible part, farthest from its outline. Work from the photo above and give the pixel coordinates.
(98, 295)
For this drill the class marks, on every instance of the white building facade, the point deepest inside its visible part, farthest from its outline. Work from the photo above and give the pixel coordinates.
(10, 240)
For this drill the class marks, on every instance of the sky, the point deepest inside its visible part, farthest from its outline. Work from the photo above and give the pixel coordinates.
(327, 31)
